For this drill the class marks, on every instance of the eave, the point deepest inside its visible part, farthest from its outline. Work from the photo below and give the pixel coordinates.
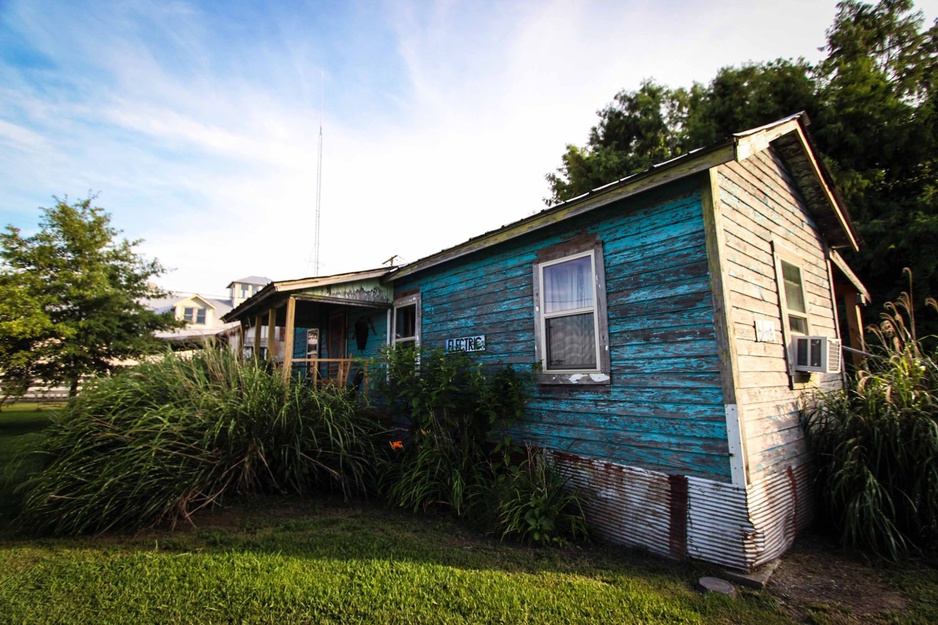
(275, 293)
(663, 173)
(786, 135)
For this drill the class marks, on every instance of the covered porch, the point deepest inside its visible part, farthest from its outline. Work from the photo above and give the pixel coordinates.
(320, 330)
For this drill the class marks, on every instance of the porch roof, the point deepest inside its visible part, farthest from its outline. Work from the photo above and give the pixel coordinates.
(359, 288)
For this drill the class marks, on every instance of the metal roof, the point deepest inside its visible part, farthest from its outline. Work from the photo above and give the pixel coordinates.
(285, 287)
(256, 280)
(788, 134)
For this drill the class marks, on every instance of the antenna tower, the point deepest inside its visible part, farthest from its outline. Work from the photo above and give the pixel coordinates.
(319, 177)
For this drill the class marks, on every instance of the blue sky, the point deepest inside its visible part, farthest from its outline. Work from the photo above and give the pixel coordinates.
(197, 122)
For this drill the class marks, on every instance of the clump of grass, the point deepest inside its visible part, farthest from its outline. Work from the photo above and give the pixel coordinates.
(875, 444)
(448, 405)
(165, 439)
(20, 427)
(535, 503)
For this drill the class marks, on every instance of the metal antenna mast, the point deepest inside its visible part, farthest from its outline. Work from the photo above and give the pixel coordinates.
(319, 176)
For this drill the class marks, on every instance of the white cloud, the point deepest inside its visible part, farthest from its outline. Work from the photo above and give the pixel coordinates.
(200, 128)
(22, 138)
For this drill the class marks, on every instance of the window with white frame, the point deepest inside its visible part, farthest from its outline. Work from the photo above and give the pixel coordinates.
(194, 315)
(796, 310)
(571, 326)
(793, 303)
(406, 320)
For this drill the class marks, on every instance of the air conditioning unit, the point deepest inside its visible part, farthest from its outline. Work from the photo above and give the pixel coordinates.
(818, 354)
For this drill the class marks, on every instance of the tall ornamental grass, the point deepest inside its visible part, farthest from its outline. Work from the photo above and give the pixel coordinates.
(165, 439)
(875, 444)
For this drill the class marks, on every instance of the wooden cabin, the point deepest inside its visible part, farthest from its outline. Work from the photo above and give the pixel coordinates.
(676, 319)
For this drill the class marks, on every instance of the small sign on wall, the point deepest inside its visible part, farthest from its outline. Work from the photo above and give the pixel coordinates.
(765, 331)
(466, 344)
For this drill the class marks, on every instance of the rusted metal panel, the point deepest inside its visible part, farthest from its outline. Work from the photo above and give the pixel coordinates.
(677, 506)
(745, 528)
(625, 505)
(678, 516)
(780, 506)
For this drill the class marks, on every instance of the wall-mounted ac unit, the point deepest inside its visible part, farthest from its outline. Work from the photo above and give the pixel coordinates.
(817, 354)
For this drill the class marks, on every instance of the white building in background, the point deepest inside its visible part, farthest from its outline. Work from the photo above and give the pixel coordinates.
(244, 288)
(203, 314)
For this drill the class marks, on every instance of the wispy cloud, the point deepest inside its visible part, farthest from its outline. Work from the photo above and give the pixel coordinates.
(199, 121)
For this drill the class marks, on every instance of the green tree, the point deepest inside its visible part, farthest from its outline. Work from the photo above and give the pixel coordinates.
(872, 102)
(749, 96)
(878, 131)
(655, 123)
(634, 132)
(72, 299)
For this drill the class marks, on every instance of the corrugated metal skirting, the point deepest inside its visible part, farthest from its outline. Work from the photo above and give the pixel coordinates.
(677, 516)
(625, 505)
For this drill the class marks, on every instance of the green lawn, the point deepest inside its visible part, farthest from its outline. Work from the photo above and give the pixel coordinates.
(325, 561)
(336, 563)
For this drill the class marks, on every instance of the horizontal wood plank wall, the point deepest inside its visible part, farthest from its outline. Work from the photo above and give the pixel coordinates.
(376, 320)
(761, 204)
(664, 407)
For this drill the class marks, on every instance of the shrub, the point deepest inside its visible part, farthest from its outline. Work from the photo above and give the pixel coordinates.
(162, 440)
(452, 408)
(875, 444)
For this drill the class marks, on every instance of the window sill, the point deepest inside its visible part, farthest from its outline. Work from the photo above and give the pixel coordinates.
(575, 379)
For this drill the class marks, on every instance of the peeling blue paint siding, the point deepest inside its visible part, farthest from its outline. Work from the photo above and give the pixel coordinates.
(663, 409)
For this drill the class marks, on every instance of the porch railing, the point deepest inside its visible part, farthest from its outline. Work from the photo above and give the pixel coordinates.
(335, 371)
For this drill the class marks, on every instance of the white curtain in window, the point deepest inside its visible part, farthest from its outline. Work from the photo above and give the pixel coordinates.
(568, 285)
(570, 339)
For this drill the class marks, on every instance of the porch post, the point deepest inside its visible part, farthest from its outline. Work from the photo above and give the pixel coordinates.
(271, 336)
(854, 324)
(288, 339)
(257, 335)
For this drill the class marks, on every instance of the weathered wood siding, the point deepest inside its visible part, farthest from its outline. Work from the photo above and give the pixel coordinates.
(664, 407)
(761, 204)
(376, 320)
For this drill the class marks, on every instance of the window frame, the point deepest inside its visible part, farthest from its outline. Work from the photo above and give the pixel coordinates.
(585, 247)
(781, 255)
(404, 302)
(192, 318)
(788, 311)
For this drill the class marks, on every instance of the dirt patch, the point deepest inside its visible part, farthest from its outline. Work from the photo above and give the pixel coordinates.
(816, 578)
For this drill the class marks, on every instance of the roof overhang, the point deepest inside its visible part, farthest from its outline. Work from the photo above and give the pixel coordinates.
(360, 288)
(794, 145)
(844, 269)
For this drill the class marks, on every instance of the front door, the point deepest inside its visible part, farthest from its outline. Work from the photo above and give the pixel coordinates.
(336, 340)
